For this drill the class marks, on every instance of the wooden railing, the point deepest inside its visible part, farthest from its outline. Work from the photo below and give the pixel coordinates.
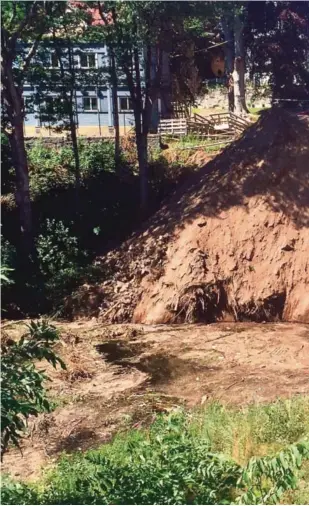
(224, 124)
(227, 120)
(174, 126)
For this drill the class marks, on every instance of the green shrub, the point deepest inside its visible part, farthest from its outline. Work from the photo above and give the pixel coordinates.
(96, 157)
(168, 464)
(61, 261)
(49, 168)
(57, 248)
(5, 278)
(8, 254)
(7, 170)
(53, 167)
(284, 421)
(22, 391)
(13, 492)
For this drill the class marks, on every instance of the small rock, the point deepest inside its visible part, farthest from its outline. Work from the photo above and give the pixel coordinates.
(288, 247)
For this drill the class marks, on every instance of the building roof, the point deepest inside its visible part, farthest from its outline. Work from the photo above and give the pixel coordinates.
(94, 14)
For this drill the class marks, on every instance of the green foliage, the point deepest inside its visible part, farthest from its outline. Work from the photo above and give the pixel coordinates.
(175, 461)
(266, 479)
(52, 168)
(57, 249)
(7, 171)
(66, 243)
(284, 421)
(61, 261)
(4, 276)
(13, 492)
(7, 272)
(96, 157)
(242, 433)
(8, 254)
(22, 391)
(49, 168)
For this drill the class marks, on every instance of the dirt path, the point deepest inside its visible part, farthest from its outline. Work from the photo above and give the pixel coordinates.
(120, 376)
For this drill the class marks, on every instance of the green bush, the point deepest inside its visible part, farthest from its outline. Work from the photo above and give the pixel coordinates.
(61, 261)
(8, 253)
(5, 277)
(7, 170)
(168, 464)
(57, 248)
(13, 492)
(96, 157)
(52, 167)
(49, 168)
(22, 391)
(242, 433)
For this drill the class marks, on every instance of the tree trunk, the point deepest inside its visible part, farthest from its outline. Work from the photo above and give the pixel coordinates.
(141, 135)
(70, 98)
(142, 155)
(229, 60)
(14, 105)
(239, 68)
(22, 194)
(114, 82)
(76, 158)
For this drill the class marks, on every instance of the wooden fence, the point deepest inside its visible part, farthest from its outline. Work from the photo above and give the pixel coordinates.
(221, 125)
(174, 126)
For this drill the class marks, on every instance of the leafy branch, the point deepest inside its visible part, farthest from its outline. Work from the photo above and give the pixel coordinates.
(22, 389)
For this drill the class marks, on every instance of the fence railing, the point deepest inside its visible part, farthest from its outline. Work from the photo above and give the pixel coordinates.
(221, 124)
(174, 126)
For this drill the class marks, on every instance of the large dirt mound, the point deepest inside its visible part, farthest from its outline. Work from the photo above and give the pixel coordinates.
(234, 243)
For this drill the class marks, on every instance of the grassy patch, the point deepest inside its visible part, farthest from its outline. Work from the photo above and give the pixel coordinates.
(187, 145)
(257, 110)
(256, 430)
(215, 455)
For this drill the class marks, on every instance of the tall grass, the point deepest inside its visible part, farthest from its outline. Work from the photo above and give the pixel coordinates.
(256, 430)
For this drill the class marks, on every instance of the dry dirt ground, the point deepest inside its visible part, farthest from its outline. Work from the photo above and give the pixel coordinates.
(120, 376)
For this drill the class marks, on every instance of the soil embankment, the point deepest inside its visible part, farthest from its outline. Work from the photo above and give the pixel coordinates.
(232, 244)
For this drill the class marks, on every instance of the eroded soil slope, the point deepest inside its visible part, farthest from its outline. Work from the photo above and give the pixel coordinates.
(120, 376)
(232, 244)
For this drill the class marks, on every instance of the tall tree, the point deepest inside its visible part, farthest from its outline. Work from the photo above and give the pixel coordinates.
(100, 29)
(68, 100)
(21, 21)
(239, 62)
(278, 36)
(63, 72)
(108, 20)
(232, 17)
(138, 35)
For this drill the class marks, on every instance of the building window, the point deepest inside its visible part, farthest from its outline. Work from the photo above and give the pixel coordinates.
(54, 62)
(125, 104)
(87, 60)
(90, 104)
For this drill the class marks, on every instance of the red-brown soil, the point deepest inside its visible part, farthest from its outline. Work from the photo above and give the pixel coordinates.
(232, 244)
